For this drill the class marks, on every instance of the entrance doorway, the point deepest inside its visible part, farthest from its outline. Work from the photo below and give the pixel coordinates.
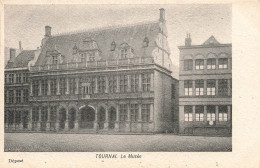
(62, 117)
(87, 117)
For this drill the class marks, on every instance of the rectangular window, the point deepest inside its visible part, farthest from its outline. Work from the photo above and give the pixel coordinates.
(222, 113)
(145, 112)
(187, 113)
(199, 86)
(18, 96)
(44, 87)
(72, 85)
(35, 87)
(63, 86)
(188, 88)
(92, 85)
(83, 57)
(123, 112)
(134, 112)
(146, 82)
(112, 81)
(188, 65)
(11, 78)
(199, 112)
(18, 117)
(11, 96)
(223, 87)
(54, 59)
(18, 78)
(199, 64)
(123, 83)
(91, 56)
(101, 84)
(123, 53)
(211, 110)
(211, 63)
(53, 86)
(222, 63)
(25, 77)
(25, 95)
(53, 113)
(6, 78)
(35, 114)
(44, 114)
(134, 82)
(211, 87)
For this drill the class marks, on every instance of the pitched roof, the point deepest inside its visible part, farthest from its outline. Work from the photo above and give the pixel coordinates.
(21, 60)
(211, 41)
(133, 35)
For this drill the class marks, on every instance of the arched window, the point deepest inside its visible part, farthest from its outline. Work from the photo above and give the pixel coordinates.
(145, 42)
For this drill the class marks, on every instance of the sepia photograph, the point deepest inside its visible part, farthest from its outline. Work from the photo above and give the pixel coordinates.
(118, 78)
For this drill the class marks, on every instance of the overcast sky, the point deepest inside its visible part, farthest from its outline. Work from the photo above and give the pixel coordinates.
(26, 22)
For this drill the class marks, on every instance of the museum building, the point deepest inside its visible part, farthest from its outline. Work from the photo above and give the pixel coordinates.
(115, 79)
(205, 88)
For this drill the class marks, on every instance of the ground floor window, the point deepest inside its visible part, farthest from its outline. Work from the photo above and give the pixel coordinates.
(44, 114)
(53, 113)
(211, 113)
(134, 112)
(123, 112)
(145, 112)
(199, 112)
(222, 114)
(187, 113)
(35, 114)
(18, 117)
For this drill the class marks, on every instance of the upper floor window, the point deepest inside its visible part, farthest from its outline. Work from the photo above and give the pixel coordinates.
(53, 113)
(199, 64)
(112, 82)
(211, 63)
(134, 112)
(44, 87)
(188, 88)
(54, 59)
(35, 114)
(25, 95)
(199, 85)
(63, 86)
(53, 86)
(223, 87)
(18, 96)
(134, 82)
(211, 87)
(188, 65)
(187, 113)
(11, 78)
(146, 82)
(222, 113)
(25, 77)
(211, 113)
(222, 63)
(91, 56)
(101, 84)
(44, 113)
(123, 112)
(18, 78)
(72, 85)
(35, 87)
(123, 83)
(199, 112)
(83, 57)
(145, 112)
(11, 96)
(123, 53)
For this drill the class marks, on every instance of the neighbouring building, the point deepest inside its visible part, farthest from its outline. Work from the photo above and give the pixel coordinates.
(106, 80)
(205, 88)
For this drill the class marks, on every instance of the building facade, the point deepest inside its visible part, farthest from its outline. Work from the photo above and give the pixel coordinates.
(205, 88)
(106, 80)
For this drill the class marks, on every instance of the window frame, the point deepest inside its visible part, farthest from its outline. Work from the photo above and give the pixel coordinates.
(211, 109)
(199, 113)
(211, 87)
(134, 111)
(188, 89)
(199, 64)
(222, 63)
(199, 87)
(145, 112)
(188, 113)
(146, 82)
(188, 64)
(211, 63)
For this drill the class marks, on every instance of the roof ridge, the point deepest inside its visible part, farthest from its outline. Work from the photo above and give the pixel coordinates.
(105, 28)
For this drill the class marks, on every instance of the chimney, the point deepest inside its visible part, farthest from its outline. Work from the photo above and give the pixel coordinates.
(20, 46)
(47, 31)
(162, 15)
(12, 54)
(188, 40)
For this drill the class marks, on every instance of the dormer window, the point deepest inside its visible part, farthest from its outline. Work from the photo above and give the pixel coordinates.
(83, 57)
(91, 56)
(54, 59)
(123, 53)
(145, 42)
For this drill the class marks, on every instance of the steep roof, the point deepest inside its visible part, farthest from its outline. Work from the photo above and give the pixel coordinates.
(21, 60)
(211, 41)
(133, 35)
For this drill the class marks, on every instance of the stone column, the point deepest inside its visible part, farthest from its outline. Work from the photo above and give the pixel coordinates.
(21, 121)
(58, 87)
(216, 63)
(128, 121)
(117, 118)
(216, 87)
(49, 87)
(30, 119)
(193, 64)
(39, 120)
(117, 84)
(216, 114)
(229, 88)
(152, 82)
(151, 112)
(205, 64)
(140, 83)
(6, 119)
(77, 86)
(14, 96)
(107, 84)
(128, 83)
(40, 87)
(57, 124)
(76, 126)
(22, 92)
(229, 118)
(67, 119)
(139, 124)
(193, 114)
(229, 63)
(205, 87)
(205, 114)
(107, 120)
(96, 85)
(96, 118)
(48, 123)
(193, 88)
(68, 86)
(31, 89)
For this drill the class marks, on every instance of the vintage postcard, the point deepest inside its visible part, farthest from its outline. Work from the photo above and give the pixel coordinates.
(129, 84)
